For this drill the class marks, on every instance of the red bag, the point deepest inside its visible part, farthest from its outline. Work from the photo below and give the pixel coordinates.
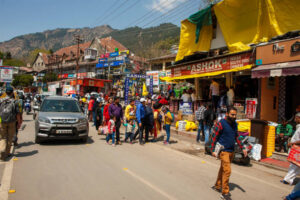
(294, 155)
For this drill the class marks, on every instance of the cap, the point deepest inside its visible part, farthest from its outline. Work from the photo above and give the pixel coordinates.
(142, 100)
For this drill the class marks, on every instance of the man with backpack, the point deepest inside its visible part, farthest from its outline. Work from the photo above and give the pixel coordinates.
(10, 113)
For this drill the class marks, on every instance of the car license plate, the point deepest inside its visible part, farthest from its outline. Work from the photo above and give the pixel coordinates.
(63, 131)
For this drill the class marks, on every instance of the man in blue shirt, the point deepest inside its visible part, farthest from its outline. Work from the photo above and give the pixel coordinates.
(140, 118)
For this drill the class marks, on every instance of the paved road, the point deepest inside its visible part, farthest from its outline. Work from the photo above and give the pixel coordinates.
(72, 170)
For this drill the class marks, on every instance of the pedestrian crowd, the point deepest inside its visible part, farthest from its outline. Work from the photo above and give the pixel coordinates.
(141, 118)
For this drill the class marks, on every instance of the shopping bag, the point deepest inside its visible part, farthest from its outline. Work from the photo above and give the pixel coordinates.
(294, 155)
(256, 152)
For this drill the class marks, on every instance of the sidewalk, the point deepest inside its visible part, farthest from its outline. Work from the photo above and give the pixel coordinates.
(277, 161)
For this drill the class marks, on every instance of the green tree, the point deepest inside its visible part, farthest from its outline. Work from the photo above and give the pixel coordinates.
(24, 80)
(1, 55)
(8, 55)
(13, 62)
(34, 53)
(49, 77)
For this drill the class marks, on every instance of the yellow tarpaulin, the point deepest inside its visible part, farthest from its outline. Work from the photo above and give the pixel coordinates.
(187, 44)
(245, 22)
(206, 74)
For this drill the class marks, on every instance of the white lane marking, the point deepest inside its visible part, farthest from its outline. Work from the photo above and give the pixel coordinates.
(6, 179)
(149, 184)
(234, 172)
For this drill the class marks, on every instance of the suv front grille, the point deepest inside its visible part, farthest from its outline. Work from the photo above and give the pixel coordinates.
(64, 121)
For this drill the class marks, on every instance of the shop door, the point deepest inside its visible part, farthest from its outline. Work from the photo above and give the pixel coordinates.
(292, 99)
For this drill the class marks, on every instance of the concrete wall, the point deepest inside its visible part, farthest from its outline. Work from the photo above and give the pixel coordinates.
(267, 111)
(219, 41)
(39, 64)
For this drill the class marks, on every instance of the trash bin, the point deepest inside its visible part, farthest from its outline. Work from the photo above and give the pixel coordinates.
(258, 131)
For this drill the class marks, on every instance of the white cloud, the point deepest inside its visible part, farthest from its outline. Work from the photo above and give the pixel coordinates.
(164, 6)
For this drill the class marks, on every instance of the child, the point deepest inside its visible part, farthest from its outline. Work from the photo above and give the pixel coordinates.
(111, 130)
(130, 127)
(168, 121)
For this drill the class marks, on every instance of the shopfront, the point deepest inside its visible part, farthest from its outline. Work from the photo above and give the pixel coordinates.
(278, 69)
(228, 70)
(88, 85)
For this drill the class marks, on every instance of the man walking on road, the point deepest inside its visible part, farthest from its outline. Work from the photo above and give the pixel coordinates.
(10, 114)
(226, 135)
(140, 117)
(115, 109)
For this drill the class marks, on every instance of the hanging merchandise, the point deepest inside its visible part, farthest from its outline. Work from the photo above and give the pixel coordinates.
(145, 92)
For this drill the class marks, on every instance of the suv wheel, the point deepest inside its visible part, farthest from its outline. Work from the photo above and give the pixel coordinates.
(85, 139)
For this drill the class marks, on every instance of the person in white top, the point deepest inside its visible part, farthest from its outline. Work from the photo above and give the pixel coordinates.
(193, 96)
(185, 96)
(214, 93)
(294, 170)
(230, 96)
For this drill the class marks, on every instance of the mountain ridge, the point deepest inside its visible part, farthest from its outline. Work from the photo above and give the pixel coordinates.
(135, 38)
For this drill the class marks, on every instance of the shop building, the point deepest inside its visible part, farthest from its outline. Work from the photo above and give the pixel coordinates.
(278, 69)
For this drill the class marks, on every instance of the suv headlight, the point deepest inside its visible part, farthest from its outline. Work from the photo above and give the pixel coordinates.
(82, 121)
(44, 120)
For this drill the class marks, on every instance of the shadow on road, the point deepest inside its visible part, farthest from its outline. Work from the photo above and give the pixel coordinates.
(25, 154)
(25, 144)
(232, 186)
(67, 142)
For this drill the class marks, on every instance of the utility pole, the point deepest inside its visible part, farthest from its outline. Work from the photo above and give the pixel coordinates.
(78, 40)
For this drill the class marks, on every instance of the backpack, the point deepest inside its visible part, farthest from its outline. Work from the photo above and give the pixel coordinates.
(7, 110)
(173, 118)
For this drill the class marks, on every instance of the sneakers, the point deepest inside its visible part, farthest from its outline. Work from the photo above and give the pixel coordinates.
(166, 143)
(113, 145)
(284, 182)
(225, 197)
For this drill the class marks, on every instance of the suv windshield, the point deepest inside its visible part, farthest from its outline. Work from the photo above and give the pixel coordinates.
(53, 105)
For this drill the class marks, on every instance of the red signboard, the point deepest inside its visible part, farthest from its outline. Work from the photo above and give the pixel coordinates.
(214, 65)
(65, 75)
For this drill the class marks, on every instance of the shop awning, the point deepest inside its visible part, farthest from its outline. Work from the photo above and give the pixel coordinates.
(278, 69)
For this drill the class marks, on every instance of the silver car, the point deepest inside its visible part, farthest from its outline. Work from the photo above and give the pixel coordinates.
(61, 118)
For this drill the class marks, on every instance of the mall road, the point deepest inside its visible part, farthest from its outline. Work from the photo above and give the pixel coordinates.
(93, 171)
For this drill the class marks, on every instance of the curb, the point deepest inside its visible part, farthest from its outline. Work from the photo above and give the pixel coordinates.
(193, 135)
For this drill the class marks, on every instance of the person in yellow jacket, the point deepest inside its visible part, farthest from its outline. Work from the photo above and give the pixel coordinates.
(130, 111)
(168, 118)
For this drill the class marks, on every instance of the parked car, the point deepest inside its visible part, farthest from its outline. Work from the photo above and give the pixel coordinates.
(60, 118)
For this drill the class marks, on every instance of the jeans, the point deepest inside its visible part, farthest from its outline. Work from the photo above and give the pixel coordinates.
(118, 125)
(111, 136)
(200, 128)
(207, 131)
(129, 135)
(94, 118)
(215, 101)
(168, 127)
(140, 132)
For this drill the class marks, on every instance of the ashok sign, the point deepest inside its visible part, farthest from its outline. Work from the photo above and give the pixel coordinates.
(214, 65)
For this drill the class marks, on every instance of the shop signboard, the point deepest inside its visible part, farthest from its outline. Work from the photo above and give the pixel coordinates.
(6, 74)
(213, 65)
(67, 88)
(71, 75)
(155, 75)
(251, 105)
(186, 108)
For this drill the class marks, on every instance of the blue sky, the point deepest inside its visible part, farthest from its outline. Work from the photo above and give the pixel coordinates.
(18, 17)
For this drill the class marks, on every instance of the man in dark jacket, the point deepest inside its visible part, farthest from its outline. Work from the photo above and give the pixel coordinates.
(208, 121)
(225, 135)
(116, 110)
(149, 119)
